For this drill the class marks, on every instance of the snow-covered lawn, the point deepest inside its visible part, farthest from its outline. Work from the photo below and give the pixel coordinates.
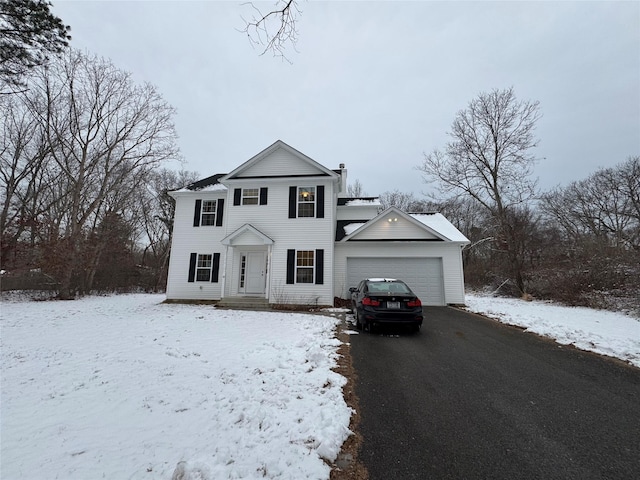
(125, 387)
(603, 332)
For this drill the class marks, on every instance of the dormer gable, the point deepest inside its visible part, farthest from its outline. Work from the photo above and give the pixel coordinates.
(278, 161)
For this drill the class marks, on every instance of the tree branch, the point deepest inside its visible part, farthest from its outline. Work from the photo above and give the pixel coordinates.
(274, 30)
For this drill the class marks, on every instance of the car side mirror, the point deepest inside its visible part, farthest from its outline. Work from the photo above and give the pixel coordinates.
(353, 290)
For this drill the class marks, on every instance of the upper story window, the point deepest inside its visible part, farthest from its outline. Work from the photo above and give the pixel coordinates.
(250, 196)
(208, 212)
(306, 201)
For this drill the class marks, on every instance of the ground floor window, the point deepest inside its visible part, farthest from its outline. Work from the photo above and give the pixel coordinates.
(204, 267)
(304, 266)
(203, 270)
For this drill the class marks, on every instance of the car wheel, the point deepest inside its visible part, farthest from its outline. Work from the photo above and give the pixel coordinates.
(369, 327)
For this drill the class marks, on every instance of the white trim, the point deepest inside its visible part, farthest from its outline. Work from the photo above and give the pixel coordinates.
(264, 239)
(269, 150)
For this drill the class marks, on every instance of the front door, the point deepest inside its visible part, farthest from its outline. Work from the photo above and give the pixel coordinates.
(255, 267)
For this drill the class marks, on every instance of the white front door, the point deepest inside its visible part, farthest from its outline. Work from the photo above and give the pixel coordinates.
(255, 274)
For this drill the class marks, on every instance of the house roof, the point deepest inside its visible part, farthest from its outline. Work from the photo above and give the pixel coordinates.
(358, 201)
(209, 183)
(439, 223)
(434, 223)
(279, 144)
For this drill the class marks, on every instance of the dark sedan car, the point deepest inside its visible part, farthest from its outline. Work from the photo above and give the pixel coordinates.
(377, 301)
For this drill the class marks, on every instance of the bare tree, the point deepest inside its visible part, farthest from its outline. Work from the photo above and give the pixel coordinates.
(630, 187)
(355, 189)
(407, 202)
(489, 159)
(273, 30)
(605, 206)
(104, 134)
(158, 209)
(22, 152)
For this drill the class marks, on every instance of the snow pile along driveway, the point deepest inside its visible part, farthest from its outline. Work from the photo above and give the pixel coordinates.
(127, 387)
(600, 331)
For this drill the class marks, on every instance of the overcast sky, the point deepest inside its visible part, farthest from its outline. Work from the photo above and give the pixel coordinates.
(374, 85)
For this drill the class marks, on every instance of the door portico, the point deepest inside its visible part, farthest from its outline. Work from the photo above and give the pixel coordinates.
(247, 269)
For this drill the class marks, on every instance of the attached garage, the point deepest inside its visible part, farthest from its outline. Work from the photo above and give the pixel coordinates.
(423, 250)
(423, 275)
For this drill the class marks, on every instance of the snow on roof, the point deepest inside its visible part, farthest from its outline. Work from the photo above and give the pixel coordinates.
(363, 201)
(216, 187)
(438, 223)
(352, 227)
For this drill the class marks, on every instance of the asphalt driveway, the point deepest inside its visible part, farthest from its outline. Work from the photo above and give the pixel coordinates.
(469, 398)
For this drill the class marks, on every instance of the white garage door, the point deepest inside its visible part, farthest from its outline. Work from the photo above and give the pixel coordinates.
(423, 275)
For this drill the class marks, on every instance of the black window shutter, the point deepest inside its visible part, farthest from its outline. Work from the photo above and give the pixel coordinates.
(291, 266)
(320, 202)
(293, 198)
(319, 266)
(219, 212)
(263, 196)
(196, 213)
(192, 266)
(237, 195)
(216, 267)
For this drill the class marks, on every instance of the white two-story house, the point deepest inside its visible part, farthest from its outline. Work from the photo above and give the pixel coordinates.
(280, 227)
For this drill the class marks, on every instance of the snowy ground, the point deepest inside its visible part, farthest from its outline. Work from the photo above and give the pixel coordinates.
(125, 387)
(603, 332)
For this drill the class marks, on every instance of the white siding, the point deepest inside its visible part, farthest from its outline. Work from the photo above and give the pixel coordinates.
(357, 212)
(188, 239)
(272, 220)
(291, 233)
(279, 163)
(450, 253)
(399, 228)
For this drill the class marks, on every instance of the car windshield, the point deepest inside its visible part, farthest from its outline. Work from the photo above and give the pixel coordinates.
(388, 287)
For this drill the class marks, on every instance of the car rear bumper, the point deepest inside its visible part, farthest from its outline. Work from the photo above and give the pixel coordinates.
(396, 317)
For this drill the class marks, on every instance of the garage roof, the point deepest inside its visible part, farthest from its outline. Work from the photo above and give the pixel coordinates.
(439, 223)
(434, 223)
